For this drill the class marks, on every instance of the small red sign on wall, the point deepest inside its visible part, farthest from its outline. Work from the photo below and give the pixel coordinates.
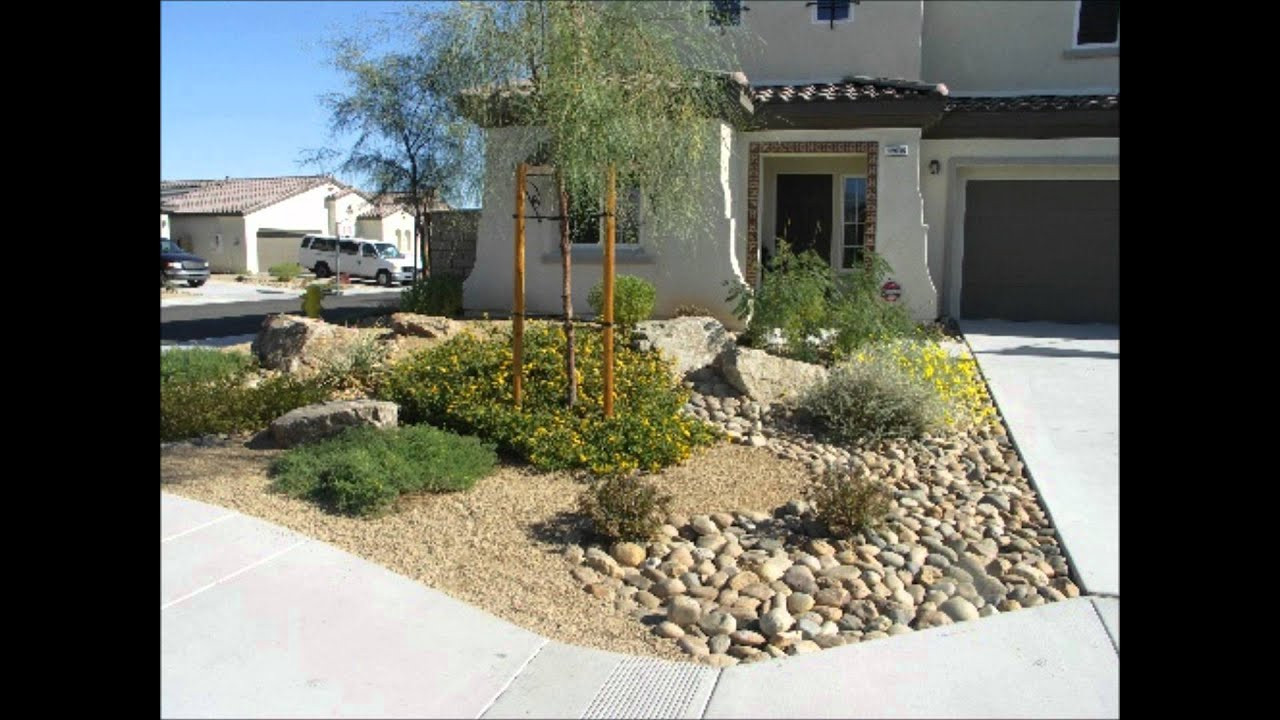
(891, 291)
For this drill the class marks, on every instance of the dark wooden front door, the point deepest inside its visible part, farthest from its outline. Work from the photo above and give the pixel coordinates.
(803, 214)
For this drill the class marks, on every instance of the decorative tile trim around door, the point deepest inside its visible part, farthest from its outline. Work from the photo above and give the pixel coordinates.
(754, 151)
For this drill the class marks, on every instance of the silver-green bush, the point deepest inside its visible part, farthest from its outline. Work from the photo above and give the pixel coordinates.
(873, 397)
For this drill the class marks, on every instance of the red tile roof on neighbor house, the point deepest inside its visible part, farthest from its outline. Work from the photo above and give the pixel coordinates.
(391, 203)
(235, 196)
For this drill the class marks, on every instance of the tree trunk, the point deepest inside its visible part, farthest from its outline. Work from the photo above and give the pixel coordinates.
(571, 395)
(426, 243)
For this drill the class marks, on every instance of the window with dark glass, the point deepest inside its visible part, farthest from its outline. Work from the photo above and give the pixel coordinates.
(725, 12)
(1098, 22)
(832, 10)
(855, 221)
(586, 224)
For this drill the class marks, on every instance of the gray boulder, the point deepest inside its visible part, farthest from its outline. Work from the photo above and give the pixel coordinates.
(313, 422)
(691, 343)
(426, 326)
(297, 344)
(768, 378)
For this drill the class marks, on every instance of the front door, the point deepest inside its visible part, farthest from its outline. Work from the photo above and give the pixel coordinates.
(803, 216)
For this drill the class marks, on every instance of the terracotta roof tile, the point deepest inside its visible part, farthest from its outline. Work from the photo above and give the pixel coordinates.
(234, 196)
(851, 90)
(1033, 103)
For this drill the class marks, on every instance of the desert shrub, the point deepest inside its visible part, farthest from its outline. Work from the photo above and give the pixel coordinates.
(689, 310)
(805, 309)
(434, 295)
(285, 271)
(464, 384)
(352, 364)
(192, 365)
(362, 471)
(191, 409)
(954, 379)
(624, 507)
(633, 300)
(313, 298)
(848, 503)
(873, 397)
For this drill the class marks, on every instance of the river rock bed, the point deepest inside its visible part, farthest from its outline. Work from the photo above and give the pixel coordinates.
(966, 537)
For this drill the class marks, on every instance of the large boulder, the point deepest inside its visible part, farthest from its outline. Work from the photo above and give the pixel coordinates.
(691, 343)
(768, 378)
(425, 326)
(296, 344)
(314, 422)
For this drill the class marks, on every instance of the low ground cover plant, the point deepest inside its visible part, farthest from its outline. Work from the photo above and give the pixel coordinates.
(435, 295)
(465, 384)
(633, 300)
(806, 310)
(623, 507)
(363, 471)
(873, 397)
(203, 364)
(285, 271)
(228, 405)
(353, 364)
(848, 503)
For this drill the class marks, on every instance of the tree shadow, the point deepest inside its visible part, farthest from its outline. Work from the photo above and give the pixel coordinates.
(562, 529)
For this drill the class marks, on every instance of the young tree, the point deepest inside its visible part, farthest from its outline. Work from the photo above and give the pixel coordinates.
(410, 142)
(635, 86)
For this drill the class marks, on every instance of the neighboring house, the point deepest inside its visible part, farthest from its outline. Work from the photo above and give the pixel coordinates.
(388, 220)
(246, 225)
(975, 145)
(164, 225)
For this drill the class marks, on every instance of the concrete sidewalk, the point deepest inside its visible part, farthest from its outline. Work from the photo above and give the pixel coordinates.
(258, 621)
(1058, 388)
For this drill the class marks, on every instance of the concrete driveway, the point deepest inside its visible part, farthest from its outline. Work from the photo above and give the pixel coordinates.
(224, 289)
(1058, 387)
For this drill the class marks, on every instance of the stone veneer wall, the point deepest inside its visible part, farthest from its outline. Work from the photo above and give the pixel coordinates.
(453, 242)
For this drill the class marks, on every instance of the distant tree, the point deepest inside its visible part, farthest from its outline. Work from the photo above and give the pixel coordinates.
(593, 85)
(410, 144)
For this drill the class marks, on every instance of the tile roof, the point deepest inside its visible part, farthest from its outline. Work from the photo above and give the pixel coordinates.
(234, 196)
(851, 89)
(391, 203)
(1033, 103)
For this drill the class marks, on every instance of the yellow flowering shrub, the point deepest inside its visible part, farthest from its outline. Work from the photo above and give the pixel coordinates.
(465, 384)
(955, 379)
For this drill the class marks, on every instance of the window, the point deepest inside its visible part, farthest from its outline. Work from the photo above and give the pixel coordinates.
(832, 11)
(1098, 22)
(586, 226)
(324, 244)
(725, 12)
(367, 250)
(348, 248)
(855, 221)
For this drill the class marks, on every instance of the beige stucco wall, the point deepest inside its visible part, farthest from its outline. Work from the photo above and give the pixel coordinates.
(901, 233)
(198, 233)
(963, 160)
(305, 211)
(985, 45)
(837, 165)
(336, 214)
(882, 41)
(164, 225)
(689, 266)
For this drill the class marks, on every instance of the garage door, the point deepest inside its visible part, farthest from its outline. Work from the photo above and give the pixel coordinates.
(1042, 250)
(277, 249)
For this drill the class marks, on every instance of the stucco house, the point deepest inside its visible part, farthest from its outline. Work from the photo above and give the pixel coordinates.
(974, 144)
(246, 225)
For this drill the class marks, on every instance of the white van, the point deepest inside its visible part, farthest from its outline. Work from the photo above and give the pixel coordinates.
(371, 259)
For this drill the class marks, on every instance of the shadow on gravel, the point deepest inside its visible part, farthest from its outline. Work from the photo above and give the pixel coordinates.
(564, 528)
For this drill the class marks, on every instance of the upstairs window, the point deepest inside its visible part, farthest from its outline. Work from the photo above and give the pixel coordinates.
(832, 11)
(1098, 23)
(725, 12)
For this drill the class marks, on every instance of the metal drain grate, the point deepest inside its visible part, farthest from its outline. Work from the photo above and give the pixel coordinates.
(651, 688)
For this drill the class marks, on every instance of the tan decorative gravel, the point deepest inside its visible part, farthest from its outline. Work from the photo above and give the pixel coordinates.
(497, 546)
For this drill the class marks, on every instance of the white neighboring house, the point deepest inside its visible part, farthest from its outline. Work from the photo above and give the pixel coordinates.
(974, 145)
(246, 225)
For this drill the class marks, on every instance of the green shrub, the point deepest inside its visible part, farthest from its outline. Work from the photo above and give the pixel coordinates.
(464, 384)
(848, 503)
(434, 295)
(192, 409)
(624, 507)
(691, 311)
(352, 364)
(633, 300)
(822, 315)
(193, 365)
(873, 397)
(363, 470)
(285, 271)
(313, 298)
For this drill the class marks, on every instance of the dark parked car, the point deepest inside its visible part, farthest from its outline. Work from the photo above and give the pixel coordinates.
(178, 264)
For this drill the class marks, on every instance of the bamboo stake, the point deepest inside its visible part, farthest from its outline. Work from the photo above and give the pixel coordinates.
(566, 267)
(517, 335)
(611, 227)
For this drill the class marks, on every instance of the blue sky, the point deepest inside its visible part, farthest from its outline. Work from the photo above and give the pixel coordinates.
(240, 84)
